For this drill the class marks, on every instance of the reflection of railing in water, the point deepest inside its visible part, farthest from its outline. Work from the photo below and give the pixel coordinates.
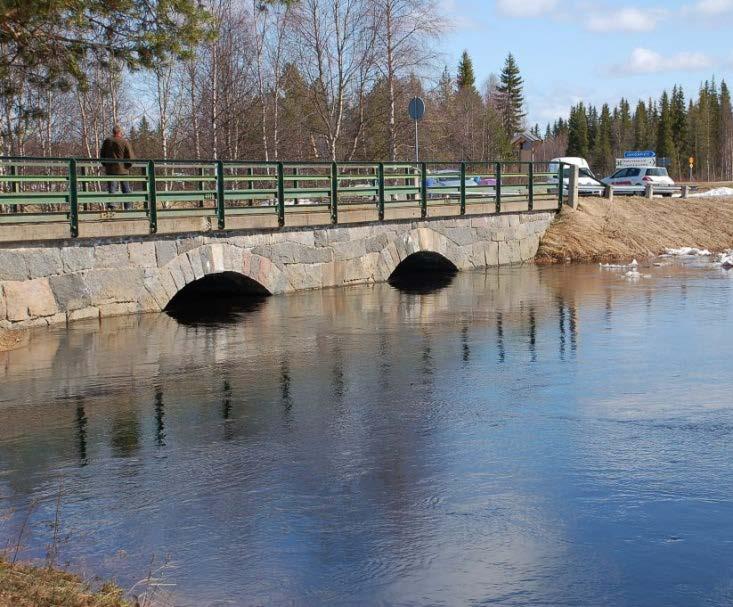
(71, 189)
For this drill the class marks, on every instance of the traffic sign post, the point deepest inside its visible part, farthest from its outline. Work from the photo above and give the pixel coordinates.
(417, 111)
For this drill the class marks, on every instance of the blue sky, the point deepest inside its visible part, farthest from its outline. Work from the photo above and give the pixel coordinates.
(593, 50)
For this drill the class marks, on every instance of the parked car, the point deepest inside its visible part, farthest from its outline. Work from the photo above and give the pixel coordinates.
(634, 180)
(588, 183)
(448, 178)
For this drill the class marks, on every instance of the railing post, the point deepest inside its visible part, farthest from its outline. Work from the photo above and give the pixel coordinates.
(296, 184)
(202, 187)
(531, 186)
(423, 190)
(498, 187)
(14, 186)
(463, 188)
(280, 194)
(560, 184)
(380, 189)
(334, 193)
(220, 202)
(152, 197)
(73, 199)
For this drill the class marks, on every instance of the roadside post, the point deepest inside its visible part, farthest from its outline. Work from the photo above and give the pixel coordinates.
(692, 165)
(417, 111)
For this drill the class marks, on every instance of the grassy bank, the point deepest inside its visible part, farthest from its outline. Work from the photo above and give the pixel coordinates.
(28, 586)
(603, 231)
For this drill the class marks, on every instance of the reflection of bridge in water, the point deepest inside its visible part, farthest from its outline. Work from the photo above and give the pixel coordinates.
(315, 349)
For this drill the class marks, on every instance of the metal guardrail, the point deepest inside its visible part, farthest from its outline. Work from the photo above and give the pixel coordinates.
(69, 189)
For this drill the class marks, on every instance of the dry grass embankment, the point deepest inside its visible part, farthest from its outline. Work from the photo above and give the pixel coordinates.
(603, 231)
(23, 585)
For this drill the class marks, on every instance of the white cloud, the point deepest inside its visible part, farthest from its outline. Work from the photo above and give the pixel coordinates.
(645, 61)
(710, 8)
(525, 8)
(625, 20)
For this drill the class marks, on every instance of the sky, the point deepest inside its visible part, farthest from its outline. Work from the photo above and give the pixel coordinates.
(593, 51)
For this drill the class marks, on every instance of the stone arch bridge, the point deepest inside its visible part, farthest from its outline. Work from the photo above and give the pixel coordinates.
(60, 281)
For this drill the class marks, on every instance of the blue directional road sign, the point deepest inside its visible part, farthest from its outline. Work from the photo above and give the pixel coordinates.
(642, 154)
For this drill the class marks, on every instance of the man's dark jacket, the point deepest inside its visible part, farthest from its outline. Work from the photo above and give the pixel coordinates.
(117, 148)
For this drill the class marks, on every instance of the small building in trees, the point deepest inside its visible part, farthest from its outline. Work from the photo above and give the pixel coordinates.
(525, 144)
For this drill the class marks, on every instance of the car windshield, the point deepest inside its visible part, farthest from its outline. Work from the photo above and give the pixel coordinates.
(658, 172)
(583, 173)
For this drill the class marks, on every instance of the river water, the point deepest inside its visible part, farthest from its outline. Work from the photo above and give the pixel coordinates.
(522, 436)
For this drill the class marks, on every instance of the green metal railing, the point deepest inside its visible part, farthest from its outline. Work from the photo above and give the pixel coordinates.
(75, 190)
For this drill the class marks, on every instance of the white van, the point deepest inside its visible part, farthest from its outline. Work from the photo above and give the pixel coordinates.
(588, 184)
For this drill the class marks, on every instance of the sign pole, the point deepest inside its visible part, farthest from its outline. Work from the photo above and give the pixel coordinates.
(417, 144)
(417, 111)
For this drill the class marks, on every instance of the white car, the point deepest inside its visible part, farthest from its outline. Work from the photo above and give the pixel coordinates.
(635, 179)
(588, 183)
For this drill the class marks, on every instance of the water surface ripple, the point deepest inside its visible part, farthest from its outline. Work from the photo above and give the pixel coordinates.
(522, 436)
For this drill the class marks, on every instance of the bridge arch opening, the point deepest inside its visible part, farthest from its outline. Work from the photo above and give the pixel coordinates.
(422, 273)
(217, 297)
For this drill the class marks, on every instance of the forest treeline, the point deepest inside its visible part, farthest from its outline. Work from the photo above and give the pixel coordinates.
(302, 80)
(676, 128)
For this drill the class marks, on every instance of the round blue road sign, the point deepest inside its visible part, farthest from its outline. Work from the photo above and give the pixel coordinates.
(417, 108)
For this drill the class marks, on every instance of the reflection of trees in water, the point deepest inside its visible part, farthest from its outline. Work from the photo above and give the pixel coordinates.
(500, 336)
(568, 318)
(532, 334)
(465, 346)
(285, 389)
(125, 434)
(81, 432)
(159, 418)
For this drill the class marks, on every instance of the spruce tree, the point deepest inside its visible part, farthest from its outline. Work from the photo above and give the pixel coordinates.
(665, 142)
(466, 79)
(603, 153)
(640, 127)
(726, 132)
(511, 97)
(680, 137)
(578, 132)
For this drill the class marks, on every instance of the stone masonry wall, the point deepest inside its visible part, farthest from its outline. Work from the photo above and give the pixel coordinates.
(88, 279)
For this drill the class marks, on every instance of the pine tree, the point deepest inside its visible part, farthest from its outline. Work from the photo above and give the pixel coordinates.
(466, 79)
(511, 97)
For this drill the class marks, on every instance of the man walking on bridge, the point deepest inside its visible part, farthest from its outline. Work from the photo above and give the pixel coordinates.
(117, 148)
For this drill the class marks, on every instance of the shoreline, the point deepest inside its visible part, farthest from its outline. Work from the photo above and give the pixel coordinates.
(27, 585)
(11, 339)
(603, 231)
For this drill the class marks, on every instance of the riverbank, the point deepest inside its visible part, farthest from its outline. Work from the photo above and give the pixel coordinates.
(626, 228)
(23, 585)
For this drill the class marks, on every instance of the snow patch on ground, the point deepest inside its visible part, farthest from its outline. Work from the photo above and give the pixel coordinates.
(612, 266)
(726, 260)
(687, 252)
(713, 193)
